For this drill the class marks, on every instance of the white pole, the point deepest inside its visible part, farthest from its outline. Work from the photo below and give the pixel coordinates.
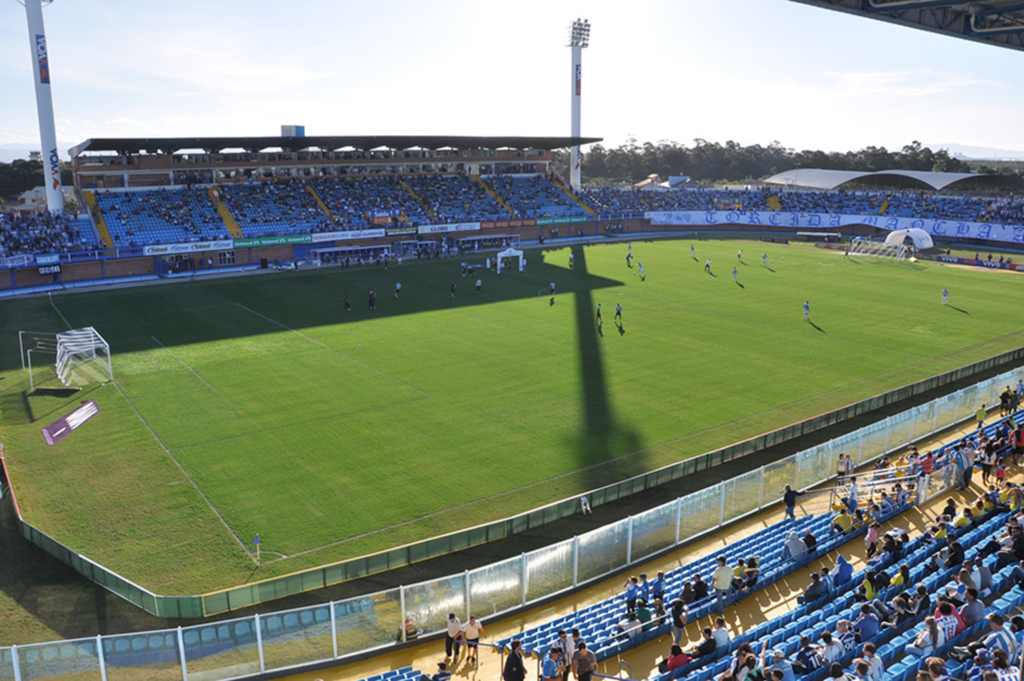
(44, 106)
(334, 630)
(101, 659)
(181, 655)
(576, 91)
(259, 643)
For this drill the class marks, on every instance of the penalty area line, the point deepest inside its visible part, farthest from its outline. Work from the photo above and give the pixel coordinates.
(336, 351)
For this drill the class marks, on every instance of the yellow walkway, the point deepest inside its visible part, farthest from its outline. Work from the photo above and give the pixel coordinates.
(494, 195)
(320, 202)
(571, 195)
(774, 600)
(101, 223)
(225, 213)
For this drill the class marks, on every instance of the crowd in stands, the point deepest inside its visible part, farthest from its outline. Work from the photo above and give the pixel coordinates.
(276, 207)
(273, 208)
(456, 198)
(161, 216)
(26, 234)
(357, 203)
(927, 608)
(533, 196)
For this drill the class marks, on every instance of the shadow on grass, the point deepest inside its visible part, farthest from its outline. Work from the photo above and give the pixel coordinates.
(816, 327)
(603, 439)
(205, 311)
(740, 285)
(961, 310)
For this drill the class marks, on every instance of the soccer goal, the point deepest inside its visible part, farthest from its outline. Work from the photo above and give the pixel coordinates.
(862, 246)
(83, 356)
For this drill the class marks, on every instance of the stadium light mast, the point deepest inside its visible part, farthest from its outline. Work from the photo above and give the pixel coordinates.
(579, 37)
(44, 104)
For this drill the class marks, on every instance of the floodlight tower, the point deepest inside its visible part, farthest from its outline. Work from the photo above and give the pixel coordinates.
(579, 37)
(44, 104)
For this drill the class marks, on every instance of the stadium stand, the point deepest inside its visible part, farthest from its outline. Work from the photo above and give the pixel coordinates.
(161, 216)
(356, 202)
(980, 540)
(533, 196)
(274, 208)
(22, 234)
(456, 198)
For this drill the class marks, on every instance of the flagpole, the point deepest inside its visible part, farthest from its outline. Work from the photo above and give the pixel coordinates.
(257, 549)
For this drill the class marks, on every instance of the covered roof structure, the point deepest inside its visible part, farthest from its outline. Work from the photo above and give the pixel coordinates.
(993, 22)
(170, 145)
(818, 178)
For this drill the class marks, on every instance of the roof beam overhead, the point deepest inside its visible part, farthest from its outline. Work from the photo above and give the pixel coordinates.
(993, 22)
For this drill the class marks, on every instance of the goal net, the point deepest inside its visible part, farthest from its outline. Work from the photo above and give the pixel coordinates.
(862, 246)
(83, 357)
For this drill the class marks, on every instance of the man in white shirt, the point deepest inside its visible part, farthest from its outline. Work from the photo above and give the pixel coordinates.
(721, 634)
(470, 632)
(451, 645)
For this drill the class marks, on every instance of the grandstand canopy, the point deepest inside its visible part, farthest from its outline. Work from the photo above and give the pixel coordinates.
(818, 178)
(170, 145)
(993, 22)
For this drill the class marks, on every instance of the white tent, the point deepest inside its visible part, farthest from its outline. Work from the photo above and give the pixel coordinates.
(921, 238)
(510, 253)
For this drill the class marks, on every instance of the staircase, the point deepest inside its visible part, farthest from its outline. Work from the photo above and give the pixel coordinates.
(494, 195)
(320, 202)
(773, 203)
(571, 195)
(97, 214)
(419, 199)
(225, 214)
(885, 207)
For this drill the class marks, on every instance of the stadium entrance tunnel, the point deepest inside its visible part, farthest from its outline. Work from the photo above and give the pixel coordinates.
(607, 450)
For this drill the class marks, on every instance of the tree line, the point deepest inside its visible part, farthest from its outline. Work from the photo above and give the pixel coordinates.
(18, 177)
(711, 162)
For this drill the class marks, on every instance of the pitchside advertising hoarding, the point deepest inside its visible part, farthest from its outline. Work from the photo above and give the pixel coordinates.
(173, 249)
(451, 227)
(348, 235)
(941, 228)
(505, 224)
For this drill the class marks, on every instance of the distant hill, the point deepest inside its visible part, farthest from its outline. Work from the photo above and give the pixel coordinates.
(965, 151)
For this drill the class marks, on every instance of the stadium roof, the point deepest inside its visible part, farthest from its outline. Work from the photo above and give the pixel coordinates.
(817, 178)
(993, 22)
(169, 145)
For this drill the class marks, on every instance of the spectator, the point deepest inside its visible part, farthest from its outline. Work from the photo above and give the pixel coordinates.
(679, 616)
(846, 635)
(982, 664)
(794, 547)
(789, 499)
(947, 622)
(843, 572)
(707, 645)
(643, 614)
(876, 669)
(677, 658)
(808, 659)
(936, 668)
(551, 670)
(810, 541)
(583, 662)
(842, 523)
(721, 634)
(632, 587)
(515, 670)
(814, 591)
(866, 625)
(831, 651)
(628, 628)
(700, 588)
(973, 610)
(723, 583)
(686, 595)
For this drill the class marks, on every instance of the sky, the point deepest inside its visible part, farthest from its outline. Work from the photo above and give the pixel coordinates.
(752, 71)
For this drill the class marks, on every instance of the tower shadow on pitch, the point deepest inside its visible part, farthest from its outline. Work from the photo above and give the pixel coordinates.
(607, 449)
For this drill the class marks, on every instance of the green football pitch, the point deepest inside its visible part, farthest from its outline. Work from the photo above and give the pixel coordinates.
(257, 404)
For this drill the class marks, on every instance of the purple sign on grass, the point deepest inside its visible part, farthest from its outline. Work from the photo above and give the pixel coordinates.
(62, 427)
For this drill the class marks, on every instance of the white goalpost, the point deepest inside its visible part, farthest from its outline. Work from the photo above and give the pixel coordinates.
(862, 246)
(83, 356)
